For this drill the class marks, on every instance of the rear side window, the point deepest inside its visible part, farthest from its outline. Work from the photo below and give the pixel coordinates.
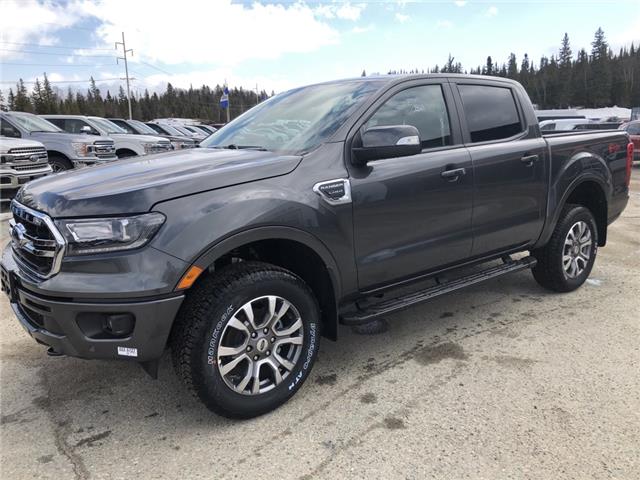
(423, 107)
(491, 112)
(633, 129)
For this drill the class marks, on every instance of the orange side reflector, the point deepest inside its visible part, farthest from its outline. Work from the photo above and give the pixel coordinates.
(188, 278)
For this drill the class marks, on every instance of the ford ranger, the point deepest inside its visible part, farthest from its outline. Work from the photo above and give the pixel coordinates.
(338, 202)
(65, 150)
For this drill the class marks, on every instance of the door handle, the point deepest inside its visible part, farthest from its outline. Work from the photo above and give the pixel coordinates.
(529, 160)
(453, 175)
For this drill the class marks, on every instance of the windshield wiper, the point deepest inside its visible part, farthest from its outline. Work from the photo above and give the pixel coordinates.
(233, 146)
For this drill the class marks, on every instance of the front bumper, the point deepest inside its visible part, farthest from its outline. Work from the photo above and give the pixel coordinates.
(11, 181)
(78, 328)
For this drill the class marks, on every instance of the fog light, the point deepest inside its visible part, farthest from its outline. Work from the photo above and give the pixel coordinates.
(119, 324)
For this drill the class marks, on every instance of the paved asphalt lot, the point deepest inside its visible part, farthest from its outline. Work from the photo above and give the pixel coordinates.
(502, 380)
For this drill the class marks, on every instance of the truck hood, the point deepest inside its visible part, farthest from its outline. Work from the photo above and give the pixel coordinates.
(135, 185)
(7, 143)
(137, 138)
(69, 137)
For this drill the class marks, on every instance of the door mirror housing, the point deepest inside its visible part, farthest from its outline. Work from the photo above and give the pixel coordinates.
(86, 129)
(389, 141)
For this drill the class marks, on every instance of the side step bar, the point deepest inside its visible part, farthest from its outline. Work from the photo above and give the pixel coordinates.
(359, 317)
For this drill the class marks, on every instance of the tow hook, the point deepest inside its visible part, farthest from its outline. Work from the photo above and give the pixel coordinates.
(52, 353)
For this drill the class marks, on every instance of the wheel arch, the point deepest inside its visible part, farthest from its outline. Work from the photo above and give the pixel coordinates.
(290, 248)
(56, 153)
(122, 150)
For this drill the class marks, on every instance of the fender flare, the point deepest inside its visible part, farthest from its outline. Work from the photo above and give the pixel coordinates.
(584, 176)
(211, 254)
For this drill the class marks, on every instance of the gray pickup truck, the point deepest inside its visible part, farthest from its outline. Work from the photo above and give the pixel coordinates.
(20, 162)
(65, 150)
(341, 202)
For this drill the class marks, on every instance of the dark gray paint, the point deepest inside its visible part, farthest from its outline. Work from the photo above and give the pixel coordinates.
(405, 221)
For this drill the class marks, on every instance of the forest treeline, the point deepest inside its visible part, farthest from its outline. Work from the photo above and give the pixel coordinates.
(591, 79)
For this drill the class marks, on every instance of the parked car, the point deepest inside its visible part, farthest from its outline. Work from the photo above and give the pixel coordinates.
(564, 124)
(633, 129)
(178, 140)
(136, 127)
(204, 128)
(20, 162)
(197, 137)
(65, 150)
(318, 206)
(127, 145)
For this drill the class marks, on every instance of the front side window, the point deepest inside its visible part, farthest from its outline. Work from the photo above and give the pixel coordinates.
(491, 112)
(423, 107)
(125, 126)
(75, 125)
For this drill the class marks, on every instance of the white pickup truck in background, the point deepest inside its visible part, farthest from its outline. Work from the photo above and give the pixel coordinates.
(127, 145)
(20, 162)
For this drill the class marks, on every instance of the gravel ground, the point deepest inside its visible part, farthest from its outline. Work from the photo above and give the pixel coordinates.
(502, 380)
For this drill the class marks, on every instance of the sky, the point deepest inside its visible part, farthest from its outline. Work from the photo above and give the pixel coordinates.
(280, 45)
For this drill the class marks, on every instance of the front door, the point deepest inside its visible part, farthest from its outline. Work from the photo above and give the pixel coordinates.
(409, 218)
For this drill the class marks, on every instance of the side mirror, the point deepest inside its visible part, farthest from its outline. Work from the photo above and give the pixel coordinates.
(389, 141)
(86, 129)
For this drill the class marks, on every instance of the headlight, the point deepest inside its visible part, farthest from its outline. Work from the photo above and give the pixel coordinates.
(153, 147)
(83, 149)
(100, 235)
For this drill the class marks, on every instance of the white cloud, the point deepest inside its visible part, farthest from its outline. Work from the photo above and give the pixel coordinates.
(33, 22)
(402, 18)
(358, 29)
(344, 11)
(444, 24)
(223, 33)
(491, 11)
(460, 3)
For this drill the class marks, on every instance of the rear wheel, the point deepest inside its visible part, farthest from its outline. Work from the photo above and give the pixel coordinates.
(566, 261)
(246, 338)
(59, 164)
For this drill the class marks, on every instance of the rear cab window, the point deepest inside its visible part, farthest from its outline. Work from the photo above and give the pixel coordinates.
(491, 112)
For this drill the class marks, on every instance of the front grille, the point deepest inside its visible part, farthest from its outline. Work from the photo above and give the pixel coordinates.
(104, 149)
(27, 150)
(26, 168)
(36, 243)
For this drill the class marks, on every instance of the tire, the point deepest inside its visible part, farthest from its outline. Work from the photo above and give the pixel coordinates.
(59, 164)
(211, 320)
(554, 271)
(125, 154)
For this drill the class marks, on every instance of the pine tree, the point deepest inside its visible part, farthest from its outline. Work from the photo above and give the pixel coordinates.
(11, 100)
(600, 84)
(21, 102)
(512, 67)
(3, 107)
(565, 58)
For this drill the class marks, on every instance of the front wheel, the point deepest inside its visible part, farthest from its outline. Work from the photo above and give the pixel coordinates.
(246, 338)
(566, 261)
(59, 164)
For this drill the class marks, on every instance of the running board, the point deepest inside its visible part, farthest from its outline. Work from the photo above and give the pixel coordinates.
(359, 317)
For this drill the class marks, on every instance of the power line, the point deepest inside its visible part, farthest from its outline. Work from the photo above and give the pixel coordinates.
(55, 54)
(64, 81)
(63, 47)
(58, 64)
(157, 68)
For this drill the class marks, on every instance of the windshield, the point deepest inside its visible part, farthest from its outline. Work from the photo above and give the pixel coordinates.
(107, 125)
(183, 131)
(142, 127)
(170, 130)
(33, 123)
(297, 120)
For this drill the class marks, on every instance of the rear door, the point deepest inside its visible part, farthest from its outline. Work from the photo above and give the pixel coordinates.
(509, 166)
(408, 218)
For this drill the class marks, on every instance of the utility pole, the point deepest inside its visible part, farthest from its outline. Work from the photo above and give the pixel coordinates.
(126, 69)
